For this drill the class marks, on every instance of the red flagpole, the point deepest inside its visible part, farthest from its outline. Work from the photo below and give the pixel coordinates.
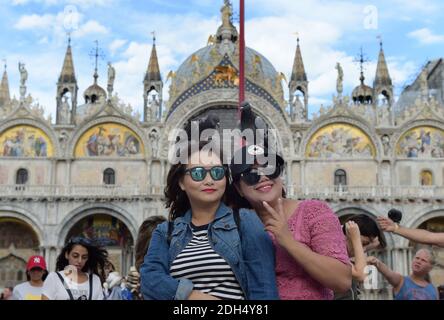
(242, 56)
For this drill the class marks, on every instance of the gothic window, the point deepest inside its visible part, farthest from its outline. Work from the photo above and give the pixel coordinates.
(22, 176)
(109, 177)
(340, 180)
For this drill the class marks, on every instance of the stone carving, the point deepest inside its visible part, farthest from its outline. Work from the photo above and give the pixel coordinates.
(154, 140)
(23, 79)
(111, 78)
(297, 138)
(386, 144)
(340, 79)
(65, 112)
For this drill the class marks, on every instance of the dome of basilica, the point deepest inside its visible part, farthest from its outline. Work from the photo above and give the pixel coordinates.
(223, 49)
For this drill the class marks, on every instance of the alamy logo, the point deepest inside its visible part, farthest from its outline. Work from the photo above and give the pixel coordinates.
(371, 280)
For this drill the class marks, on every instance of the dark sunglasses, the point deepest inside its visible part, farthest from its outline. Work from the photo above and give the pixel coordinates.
(198, 174)
(253, 176)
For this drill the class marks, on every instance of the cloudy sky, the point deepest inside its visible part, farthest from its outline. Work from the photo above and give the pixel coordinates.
(35, 32)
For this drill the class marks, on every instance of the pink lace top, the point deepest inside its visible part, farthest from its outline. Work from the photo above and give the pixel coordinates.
(314, 224)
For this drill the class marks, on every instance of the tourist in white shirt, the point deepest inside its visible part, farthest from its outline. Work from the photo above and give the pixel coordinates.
(77, 277)
(36, 273)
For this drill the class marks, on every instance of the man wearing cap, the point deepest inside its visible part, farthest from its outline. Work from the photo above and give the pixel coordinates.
(36, 273)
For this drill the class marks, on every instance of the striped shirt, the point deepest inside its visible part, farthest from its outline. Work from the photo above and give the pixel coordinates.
(208, 271)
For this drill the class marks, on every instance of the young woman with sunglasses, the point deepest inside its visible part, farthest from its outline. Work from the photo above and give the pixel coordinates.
(311, 254)
(202, 253)
(77, 277)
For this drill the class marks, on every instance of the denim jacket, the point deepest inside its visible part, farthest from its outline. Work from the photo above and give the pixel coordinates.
(249, 252)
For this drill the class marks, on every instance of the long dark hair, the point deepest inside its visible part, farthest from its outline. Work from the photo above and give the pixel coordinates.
(97, 256)
(368, 227)
(176, 199)
(144, 237)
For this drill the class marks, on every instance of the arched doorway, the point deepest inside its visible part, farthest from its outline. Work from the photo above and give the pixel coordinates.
(18, 242)
(434, 225)
(109, 232)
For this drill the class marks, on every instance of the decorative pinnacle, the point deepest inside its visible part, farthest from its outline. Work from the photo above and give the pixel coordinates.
(379, 37)
(154, 37)
(96, 56)
(361, 60)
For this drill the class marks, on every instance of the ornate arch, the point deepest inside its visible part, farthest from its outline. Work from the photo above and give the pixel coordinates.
(72, 218)
(345, 120)
(39, 125)
(396, 138)
(23, 215)
(110, 119)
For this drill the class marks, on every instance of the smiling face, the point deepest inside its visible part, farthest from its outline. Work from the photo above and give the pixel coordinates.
(207, 191)
(268, 190)
(78, 256)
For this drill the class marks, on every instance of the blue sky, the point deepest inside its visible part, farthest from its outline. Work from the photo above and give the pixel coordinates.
(33, 31)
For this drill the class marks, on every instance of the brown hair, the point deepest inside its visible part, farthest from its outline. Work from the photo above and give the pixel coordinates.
(144, 237)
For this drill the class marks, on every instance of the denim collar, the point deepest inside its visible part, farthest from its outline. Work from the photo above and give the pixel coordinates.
(221, 212)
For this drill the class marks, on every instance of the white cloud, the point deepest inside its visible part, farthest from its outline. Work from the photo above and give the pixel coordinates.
(116, 45)
(35, 21)
(90, 27)
(52, 26)
(425, 36)
(418, 6)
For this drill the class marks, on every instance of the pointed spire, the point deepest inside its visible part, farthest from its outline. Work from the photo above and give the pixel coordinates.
(382, 77)
(298, 73)
(4, 88)
(153, 71)
(68, 74)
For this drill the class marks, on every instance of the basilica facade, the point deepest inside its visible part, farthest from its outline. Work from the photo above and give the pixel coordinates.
(99, 168)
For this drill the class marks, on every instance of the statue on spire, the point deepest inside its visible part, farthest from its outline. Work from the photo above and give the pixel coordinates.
(340, 80)
(23, 74)
(23, 79)
(226, 13)
(111, 77)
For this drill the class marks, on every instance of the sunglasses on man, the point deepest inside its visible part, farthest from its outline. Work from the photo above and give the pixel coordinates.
(199, 174)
